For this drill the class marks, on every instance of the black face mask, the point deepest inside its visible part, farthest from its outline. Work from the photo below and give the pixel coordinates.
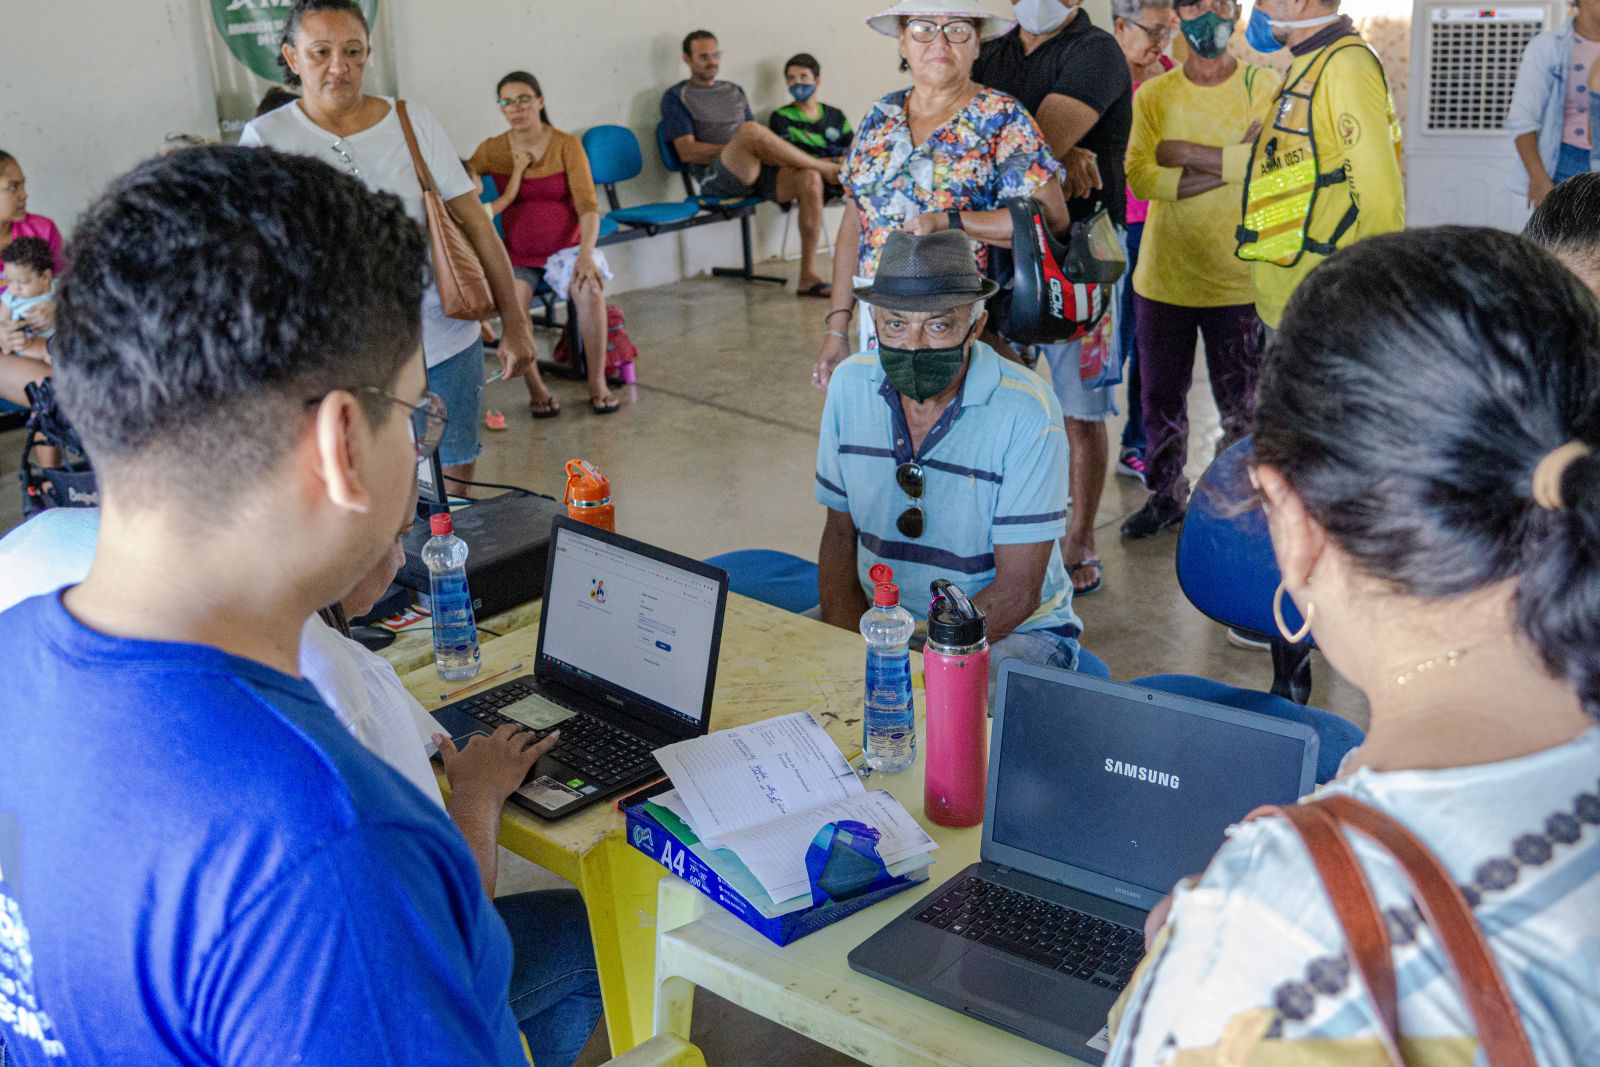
(923, 372)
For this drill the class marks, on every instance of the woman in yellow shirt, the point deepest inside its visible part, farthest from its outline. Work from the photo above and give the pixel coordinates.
(1187, 280)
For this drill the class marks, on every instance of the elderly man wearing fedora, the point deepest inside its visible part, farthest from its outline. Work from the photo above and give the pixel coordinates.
(943, 460)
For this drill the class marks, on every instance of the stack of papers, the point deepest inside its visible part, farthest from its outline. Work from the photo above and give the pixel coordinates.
(763, 791)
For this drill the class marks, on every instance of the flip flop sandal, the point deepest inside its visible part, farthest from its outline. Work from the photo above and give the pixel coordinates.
(549, 410)
(605, 409)
(822, 290)
(494, 420)
(1092, 587)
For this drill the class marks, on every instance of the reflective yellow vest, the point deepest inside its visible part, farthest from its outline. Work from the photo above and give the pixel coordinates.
(1282, 183)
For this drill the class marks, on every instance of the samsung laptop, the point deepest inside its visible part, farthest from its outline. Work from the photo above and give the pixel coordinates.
(1101, 796)
(626, 663)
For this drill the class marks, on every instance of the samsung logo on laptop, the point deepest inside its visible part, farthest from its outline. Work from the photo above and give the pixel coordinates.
(1143, 774)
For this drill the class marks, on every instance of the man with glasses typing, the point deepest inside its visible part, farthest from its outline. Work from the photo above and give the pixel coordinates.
(943, 460)
(203, 864)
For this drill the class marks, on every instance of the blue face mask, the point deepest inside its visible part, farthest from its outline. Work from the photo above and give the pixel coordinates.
(1258, 34)
(803, 91)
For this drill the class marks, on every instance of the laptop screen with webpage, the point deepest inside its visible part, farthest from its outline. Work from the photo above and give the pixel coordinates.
(1130, 785)
(631, 623)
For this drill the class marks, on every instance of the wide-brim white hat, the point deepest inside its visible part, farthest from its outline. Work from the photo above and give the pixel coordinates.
(887, 21)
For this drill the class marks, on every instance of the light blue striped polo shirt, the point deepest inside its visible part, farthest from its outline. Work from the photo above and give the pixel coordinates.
(995, 468)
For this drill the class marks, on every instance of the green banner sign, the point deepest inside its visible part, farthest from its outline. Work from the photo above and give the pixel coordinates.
(253, 30)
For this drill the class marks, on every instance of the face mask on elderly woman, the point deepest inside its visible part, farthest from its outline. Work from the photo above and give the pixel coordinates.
(1041, 16)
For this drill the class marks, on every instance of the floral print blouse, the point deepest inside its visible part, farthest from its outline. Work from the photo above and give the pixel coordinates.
(989, 151)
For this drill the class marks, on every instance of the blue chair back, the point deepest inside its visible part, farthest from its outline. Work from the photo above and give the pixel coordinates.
(772, 577)
(489, 194)
(1225, 563)
(1336, 735)
(613, 153)
(669, 158)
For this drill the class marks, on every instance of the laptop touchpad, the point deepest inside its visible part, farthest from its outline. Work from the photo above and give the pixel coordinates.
(1006, 990)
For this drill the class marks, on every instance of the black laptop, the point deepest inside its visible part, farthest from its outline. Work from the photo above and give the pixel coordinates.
(626, 663)
(1101, 796)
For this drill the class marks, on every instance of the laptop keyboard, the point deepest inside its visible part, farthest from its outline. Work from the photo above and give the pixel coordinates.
(592, 747)
(1072, 942)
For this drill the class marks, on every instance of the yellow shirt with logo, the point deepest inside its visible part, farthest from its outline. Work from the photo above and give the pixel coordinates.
(1350, 117)
(1186, 255)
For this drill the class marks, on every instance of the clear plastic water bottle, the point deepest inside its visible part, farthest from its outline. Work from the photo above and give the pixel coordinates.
(455, 630)
(888, 724)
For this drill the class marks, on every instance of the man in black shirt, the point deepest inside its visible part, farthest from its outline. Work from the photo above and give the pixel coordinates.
(1071, 75)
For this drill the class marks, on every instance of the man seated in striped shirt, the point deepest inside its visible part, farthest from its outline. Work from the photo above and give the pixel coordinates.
(943, 460)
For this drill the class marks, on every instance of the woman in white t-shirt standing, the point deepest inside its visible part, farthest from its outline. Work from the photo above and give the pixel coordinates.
(325, 52)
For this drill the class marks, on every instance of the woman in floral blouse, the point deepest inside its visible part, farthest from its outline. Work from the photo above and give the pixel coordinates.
(944, 152)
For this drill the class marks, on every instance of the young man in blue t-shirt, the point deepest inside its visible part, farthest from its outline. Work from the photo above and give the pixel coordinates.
(198, 863)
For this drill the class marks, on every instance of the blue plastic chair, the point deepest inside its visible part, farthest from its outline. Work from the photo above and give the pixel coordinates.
(736, 207)
(670, 160)
(614, 157)
(775, 578)
(1227, 570)
(489, 194)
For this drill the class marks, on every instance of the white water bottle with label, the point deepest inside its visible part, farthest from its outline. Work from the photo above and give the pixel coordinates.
(888, 723)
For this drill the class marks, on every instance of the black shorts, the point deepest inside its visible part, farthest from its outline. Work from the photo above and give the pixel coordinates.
(720, 184)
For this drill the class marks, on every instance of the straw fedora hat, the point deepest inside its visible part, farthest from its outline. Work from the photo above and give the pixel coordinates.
(927, 273)
(982, 12)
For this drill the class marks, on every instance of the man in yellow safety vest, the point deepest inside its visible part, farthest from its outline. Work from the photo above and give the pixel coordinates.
(1324, 171)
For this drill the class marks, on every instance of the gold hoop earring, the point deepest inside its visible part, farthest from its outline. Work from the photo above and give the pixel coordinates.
(1283, 627)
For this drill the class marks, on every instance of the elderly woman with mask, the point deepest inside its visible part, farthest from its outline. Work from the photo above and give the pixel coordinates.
(941, 154)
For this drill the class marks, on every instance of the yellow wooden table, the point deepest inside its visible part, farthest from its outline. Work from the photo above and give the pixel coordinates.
(772, 662)
(808, 985)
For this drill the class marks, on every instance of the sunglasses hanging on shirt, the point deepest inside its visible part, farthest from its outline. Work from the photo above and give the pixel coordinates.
(911, 480)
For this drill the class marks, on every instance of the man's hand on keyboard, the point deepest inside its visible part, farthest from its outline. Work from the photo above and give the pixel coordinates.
(487, 770)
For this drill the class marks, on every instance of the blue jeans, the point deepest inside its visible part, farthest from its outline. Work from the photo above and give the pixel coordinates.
(1133, 430)
(1055, 647)
(555, 989)
(1572, 162)
(459, 382)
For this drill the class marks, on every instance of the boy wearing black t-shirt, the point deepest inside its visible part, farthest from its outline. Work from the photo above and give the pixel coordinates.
(810, 125)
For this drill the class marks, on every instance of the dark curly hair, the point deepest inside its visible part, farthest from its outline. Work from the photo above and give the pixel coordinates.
(302, 8)
(1416, 382)
(30, 252)
(213, 292)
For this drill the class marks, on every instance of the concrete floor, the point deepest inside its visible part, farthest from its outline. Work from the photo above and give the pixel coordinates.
(714, 450)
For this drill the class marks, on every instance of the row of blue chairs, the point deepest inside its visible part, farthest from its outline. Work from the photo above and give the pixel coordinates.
(1225, 567)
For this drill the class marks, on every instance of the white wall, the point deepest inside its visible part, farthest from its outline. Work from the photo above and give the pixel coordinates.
(90, 87)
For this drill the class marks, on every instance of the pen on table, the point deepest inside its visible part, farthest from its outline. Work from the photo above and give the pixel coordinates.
(481, 681)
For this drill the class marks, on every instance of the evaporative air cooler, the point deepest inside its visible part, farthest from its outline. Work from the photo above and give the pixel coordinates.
(1458, 156)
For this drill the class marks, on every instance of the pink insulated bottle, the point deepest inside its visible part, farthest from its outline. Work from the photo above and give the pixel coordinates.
(955, 665)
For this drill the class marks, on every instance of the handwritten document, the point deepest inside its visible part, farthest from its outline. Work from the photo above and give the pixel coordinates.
(755, 773)
(765, 789)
